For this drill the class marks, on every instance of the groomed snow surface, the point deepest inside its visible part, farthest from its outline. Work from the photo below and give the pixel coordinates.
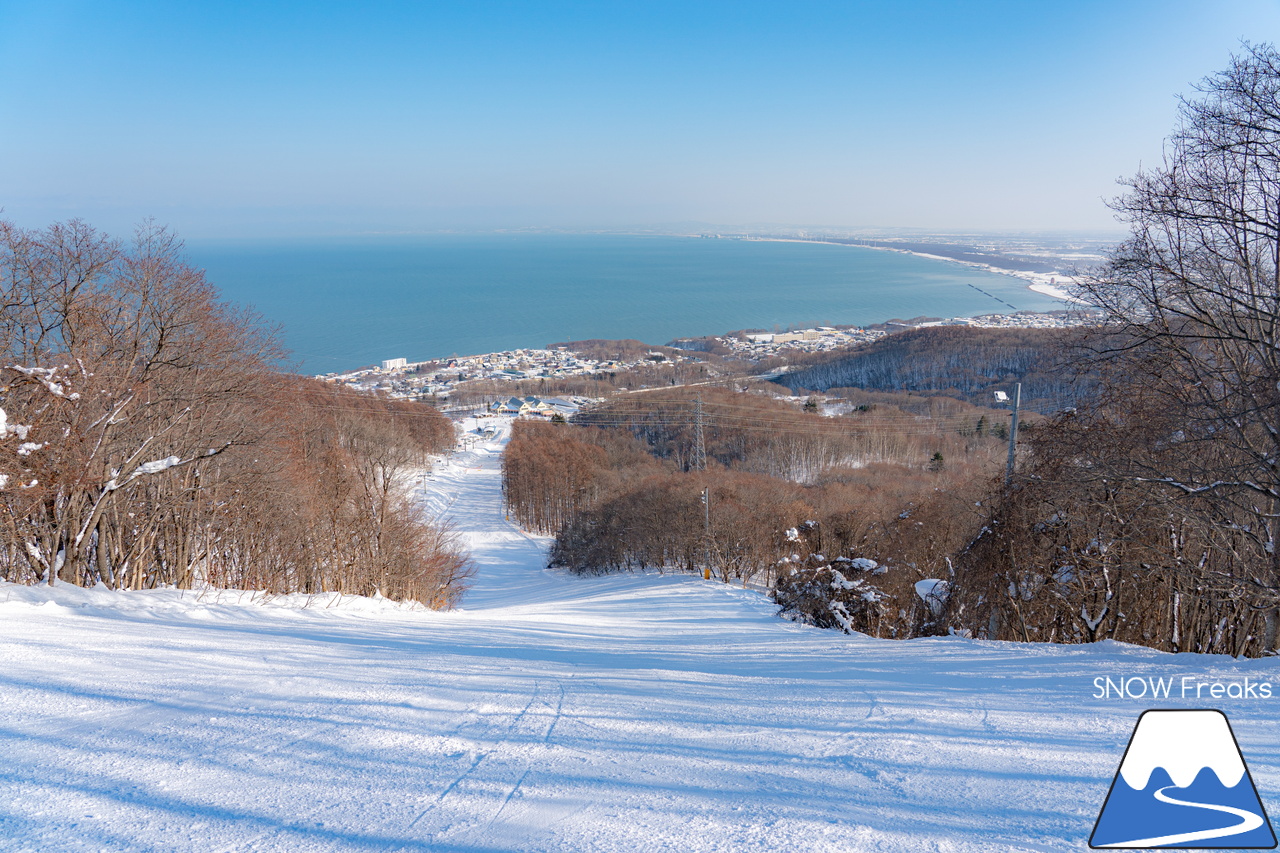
(626, 713)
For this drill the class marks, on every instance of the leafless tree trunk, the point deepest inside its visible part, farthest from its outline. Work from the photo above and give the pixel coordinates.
(1195, 291)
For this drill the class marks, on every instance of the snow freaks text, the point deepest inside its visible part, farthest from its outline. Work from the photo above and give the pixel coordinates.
(1183, 687)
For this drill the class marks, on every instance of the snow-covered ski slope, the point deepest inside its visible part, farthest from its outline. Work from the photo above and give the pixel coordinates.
(624, 713)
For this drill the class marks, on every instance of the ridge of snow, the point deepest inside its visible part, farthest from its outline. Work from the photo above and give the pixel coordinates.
(158, 465)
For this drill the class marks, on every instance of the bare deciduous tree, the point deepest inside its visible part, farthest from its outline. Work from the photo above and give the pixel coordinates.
(146, 438)
(1195, 290)
(121, 366)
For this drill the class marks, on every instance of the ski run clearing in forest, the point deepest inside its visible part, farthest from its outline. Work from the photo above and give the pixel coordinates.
(631, 713)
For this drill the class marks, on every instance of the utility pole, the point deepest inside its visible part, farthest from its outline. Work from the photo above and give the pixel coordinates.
(1013, 433)
(699, 463)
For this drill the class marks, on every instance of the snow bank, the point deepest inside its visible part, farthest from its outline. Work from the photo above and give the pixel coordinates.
(103, 601)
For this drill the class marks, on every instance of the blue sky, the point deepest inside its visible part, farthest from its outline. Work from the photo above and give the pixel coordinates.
(293, 119)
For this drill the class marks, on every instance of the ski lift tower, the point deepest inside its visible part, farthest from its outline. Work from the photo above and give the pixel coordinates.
(1003, 398)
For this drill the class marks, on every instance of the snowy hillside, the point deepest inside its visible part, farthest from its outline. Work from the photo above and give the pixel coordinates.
(626, 713)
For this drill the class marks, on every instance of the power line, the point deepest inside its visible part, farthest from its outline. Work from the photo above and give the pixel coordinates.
(831, 425)
(611, 415)
(699, 461)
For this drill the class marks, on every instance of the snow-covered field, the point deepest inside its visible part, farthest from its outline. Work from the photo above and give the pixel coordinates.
(629, 713)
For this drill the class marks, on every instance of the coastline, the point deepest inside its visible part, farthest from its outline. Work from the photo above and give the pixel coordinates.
(474, 294)
(512, 363)
(562, 362)
(1047, 284)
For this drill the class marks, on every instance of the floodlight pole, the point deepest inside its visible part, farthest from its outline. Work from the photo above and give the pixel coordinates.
(1013, 434)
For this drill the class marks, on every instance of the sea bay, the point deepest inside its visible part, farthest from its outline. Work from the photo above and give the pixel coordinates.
(353, 302)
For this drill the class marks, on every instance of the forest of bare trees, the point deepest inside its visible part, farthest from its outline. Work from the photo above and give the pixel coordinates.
(963, 361)
(1084, 547)
(1145, 509)
(147, 438)
(1151, 512)
(784, 490)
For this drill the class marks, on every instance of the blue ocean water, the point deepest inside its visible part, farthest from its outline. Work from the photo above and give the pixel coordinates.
(344, 304)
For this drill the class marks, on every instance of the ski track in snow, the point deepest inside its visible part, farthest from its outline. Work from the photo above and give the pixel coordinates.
(624, 713)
